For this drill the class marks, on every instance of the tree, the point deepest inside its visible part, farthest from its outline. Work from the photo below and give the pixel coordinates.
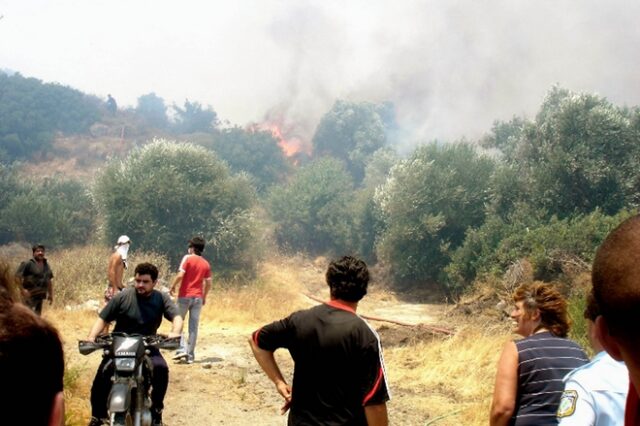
(55, 212)
(32, 111)
(313, 212)
(428, 203)
(164, 193)
(152, 109)
(254, 152)
(580, 153)
(352, 132)
(193, 118)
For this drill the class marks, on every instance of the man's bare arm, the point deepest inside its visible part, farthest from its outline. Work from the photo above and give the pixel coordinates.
(177, 282)
(98, 326)
(376, 415)
(272, 370)
(176, 330)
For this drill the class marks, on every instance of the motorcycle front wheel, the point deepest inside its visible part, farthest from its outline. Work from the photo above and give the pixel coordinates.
(121, 419)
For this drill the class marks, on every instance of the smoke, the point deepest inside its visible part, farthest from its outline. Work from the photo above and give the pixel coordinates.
(453, 67)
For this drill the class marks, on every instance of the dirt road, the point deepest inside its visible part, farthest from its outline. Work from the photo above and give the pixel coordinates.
(225, 385)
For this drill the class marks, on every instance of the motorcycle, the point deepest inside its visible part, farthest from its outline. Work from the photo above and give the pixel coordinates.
(129, 402)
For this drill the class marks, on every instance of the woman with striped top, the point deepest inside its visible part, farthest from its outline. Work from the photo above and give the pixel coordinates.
(530, 371)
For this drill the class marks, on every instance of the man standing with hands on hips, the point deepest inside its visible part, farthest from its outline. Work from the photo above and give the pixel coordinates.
(194, 281)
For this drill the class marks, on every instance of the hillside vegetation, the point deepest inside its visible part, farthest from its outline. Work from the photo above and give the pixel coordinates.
(440, 218)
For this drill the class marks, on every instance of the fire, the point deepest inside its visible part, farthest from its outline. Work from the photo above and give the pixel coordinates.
(291, 145)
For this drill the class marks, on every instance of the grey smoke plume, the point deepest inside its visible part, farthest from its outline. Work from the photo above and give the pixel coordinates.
(453, 67)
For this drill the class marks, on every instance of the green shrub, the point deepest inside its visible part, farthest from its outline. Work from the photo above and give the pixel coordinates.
(165, 193)
(313, 212)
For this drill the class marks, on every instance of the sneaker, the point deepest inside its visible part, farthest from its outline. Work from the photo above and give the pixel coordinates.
(179, 356)
(190, 361)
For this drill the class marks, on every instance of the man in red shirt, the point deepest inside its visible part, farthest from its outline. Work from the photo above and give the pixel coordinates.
(194, 281)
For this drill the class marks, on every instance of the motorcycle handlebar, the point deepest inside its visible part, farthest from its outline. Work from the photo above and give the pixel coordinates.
(159, 341)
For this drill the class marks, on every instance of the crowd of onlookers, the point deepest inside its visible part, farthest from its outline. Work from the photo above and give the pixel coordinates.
(339, 375)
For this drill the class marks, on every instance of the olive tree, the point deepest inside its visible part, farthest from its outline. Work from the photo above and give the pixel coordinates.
(428, 202)
(313, 213)
(164, 193)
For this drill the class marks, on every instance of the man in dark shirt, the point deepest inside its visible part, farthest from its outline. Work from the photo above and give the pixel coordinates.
(36, 276)
(339, 376)
(136, 310)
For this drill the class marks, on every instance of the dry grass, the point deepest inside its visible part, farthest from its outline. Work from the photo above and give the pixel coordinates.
(441, 381)
(450, 381)
(275, 293)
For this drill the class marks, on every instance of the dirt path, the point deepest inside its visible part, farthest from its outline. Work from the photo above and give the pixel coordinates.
(225, 385)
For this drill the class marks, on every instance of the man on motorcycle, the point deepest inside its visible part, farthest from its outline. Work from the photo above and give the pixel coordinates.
(136, 310)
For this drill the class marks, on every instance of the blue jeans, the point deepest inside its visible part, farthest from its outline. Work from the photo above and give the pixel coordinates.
(193, 305)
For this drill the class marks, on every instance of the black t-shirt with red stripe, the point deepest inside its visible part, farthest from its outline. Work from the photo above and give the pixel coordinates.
(338, 364)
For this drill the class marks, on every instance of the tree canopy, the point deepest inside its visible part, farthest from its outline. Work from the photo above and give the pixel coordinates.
(428, 203)
(254, 152)
(312, 213)
(32, 111)
(165, 193)
(352, 132)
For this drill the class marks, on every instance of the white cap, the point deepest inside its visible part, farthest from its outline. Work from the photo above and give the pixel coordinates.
(123, 239)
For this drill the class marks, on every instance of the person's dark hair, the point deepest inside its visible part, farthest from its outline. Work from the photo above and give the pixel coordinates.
(31, 361)
(615, 277)
(197, 243)
(36, 247)
(549, 302)
(348, 278)
(147, 269)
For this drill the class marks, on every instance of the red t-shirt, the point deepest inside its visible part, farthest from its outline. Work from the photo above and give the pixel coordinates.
(196, 269)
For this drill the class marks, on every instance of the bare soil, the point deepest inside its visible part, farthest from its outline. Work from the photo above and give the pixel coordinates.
(225, 386)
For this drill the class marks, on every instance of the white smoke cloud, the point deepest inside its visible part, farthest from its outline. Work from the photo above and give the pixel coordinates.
(451, 67)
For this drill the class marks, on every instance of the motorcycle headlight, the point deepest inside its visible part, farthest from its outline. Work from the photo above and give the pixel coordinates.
(125, 364)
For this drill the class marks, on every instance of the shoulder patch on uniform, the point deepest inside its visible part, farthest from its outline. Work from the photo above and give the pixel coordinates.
(567, 403)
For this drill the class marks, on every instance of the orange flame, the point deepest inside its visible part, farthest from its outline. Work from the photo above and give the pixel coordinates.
(290, 145)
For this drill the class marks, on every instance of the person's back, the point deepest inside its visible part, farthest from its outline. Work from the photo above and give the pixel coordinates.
(339, 376)
(544, 360)
(196, 269)
(333, 350)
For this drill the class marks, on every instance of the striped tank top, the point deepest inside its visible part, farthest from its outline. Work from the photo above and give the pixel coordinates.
(543, 360)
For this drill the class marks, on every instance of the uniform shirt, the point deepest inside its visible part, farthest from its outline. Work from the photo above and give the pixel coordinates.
(543, 360)
(338, 364)
(135, 314)
(195, 269)
(595, 393)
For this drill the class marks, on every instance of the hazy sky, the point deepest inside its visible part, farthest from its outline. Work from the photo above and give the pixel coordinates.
(451, 67)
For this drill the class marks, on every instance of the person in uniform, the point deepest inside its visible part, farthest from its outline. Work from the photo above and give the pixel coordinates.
(594, 394)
